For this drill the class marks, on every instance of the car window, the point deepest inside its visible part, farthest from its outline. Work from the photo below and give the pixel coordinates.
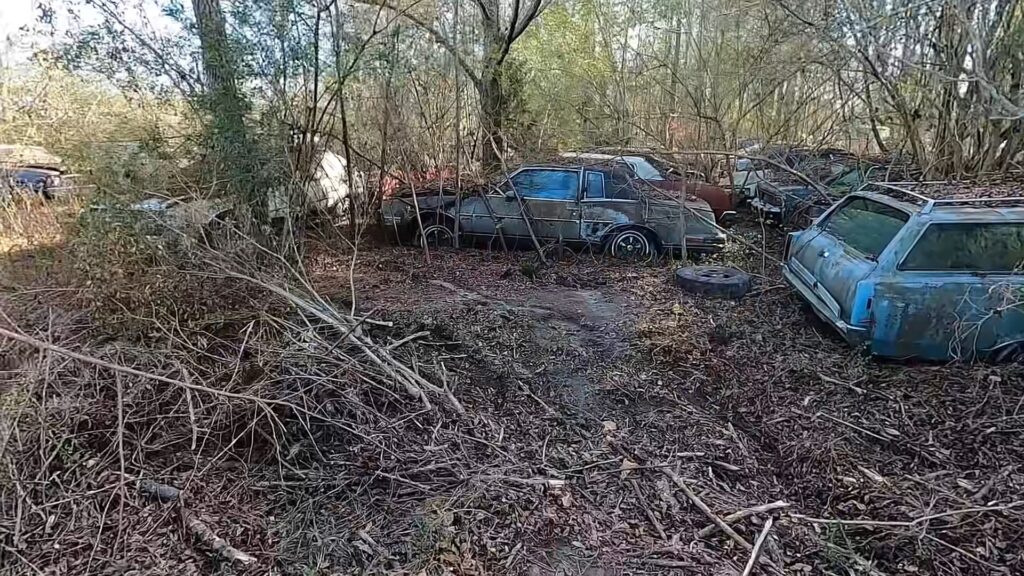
(547, 184)
(848, 180)
(620, 186)
(643, 168)
(968, 247)
(595, 185)
(865, 225)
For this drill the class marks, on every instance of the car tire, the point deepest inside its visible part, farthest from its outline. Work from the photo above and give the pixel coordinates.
(633, 245)
(437, 233)
(718, 281)
(1009, 354)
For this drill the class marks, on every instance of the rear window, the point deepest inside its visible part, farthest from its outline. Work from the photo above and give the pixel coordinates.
(967, 247)
(865, 225)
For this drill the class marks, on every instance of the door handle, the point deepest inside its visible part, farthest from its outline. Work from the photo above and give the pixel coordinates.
(824, 254)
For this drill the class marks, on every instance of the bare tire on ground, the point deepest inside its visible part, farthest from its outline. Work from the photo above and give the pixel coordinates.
(717, 281)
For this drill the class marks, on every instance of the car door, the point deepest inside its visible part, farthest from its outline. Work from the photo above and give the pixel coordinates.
(953, 292)
(551, 198)
(607, 202)
(843, 248)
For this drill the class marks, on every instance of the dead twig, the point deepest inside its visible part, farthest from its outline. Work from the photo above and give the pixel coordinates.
(219, 545)
(704, 507)
(908, 523)
(742, 514)
(758, 546)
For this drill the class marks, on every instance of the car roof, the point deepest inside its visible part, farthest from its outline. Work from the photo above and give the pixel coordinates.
(954, 209)
(601, 156)
(17, 155)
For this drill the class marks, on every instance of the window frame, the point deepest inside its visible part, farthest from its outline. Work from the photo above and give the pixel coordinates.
(920, 234)
(823, 223)
(585, 196)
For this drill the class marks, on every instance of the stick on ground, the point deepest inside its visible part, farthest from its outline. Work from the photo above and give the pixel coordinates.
(758, 546)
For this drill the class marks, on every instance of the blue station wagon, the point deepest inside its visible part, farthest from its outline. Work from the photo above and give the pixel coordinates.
(908, 276)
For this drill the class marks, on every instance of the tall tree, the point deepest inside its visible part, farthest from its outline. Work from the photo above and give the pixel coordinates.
(501, 25)
(227, 107)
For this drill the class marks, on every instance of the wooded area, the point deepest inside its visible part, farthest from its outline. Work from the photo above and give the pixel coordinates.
(219, 353)
(421, 85)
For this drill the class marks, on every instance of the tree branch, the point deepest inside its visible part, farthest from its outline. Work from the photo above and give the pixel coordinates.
(434, 32)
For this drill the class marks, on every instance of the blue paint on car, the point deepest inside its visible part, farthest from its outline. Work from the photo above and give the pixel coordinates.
(909, 276)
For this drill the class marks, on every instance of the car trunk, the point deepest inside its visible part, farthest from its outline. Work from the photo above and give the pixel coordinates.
(720, 199)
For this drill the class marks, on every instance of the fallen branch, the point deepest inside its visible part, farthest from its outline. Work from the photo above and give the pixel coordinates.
(742, 514)
(219, 545)
(758, 547)
(704, 507)
(669, 563)
(907, 523)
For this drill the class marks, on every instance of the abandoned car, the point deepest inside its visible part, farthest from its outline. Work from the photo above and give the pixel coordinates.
(29, 170)
(907, 276)
(784, 199)
(593, 205)
(660, 174)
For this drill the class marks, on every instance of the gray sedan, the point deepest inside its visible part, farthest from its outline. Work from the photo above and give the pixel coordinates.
(577, 205)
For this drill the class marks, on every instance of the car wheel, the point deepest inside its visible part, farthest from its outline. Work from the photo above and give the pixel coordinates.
(717, 281)
(633, 246)
(1009, 354)
(437, 234)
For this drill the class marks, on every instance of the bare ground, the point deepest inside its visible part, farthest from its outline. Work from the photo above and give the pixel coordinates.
(595, 395)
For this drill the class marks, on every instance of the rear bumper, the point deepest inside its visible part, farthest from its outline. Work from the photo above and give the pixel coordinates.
(855, 335)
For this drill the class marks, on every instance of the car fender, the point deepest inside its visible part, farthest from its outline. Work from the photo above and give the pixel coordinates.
(611, 231)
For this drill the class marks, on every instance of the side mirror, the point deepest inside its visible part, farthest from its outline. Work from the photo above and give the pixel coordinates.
(510, 196)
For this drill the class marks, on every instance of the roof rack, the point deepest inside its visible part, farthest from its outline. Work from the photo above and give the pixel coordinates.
(892, 187)
(970, 202)
(929, 204)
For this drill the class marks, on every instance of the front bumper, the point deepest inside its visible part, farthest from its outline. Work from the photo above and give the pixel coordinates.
(855, 335)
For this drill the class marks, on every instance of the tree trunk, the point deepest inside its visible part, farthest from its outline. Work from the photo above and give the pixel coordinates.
(218, 65)
(227, 108)
(493, 109)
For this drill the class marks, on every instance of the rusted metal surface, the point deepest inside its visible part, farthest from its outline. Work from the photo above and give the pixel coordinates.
(957, 311)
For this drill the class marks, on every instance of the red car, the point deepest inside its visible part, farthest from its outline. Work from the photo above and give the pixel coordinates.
(660, 175)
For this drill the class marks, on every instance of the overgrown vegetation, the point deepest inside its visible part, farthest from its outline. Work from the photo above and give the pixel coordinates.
(242, 384)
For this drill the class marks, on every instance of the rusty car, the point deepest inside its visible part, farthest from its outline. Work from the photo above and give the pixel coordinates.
(785, 199)
(662, 174)
(908, 276)
(594, 205)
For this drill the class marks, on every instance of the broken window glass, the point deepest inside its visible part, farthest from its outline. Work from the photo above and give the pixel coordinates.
(865, 225)
(968, 247)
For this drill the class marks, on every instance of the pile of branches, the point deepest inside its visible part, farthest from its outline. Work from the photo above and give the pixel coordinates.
(121, 450)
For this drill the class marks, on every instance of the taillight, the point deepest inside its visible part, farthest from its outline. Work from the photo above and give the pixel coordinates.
(863, 298)
(788, 245)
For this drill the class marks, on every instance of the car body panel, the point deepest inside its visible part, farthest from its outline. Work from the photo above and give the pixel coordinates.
(933, 315)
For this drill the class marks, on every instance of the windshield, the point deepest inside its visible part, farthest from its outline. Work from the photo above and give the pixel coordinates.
(643, 168)
(865, 225)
